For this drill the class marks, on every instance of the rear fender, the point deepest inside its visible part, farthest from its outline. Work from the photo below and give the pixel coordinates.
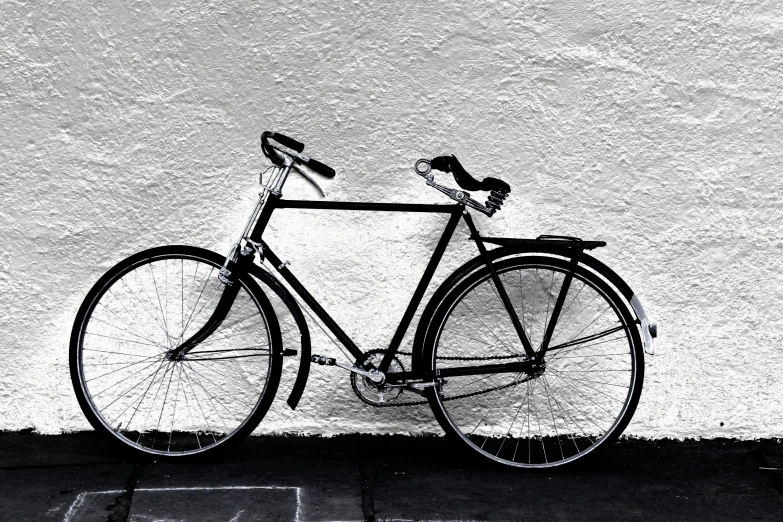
(648, 329)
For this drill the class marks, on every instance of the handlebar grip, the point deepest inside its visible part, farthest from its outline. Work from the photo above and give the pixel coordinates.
(320, 168)
(285, 141)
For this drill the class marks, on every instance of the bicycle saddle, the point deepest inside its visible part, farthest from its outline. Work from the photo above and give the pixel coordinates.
(465, 180)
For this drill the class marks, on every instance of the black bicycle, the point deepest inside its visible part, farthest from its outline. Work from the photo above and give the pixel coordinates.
(531, 353)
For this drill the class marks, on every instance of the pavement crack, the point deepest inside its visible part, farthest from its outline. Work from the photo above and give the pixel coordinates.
(767, 466)
(367, 472)
(121, 507)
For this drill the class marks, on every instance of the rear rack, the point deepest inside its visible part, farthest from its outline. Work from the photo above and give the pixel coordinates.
(546, 240)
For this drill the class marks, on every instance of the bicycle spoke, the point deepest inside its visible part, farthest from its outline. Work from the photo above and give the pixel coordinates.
(508, 348)
(601, 429)
(116, 353)
(247, 406)
(190, 412)
(174, 412)
(157, 391)
(123, 380)
(162, 310)
(195, 305)
(141, 304)
(149, 300)
(143, 395)
(585, 307)
(203, 415)
(508, 432)
(123, 395)
(576, 424)
(120, 369)
(209, 300)
(567, 379)
(162, 409)
(554, 422)
(121, 339)
(134, 332)
(482, 343)
(212, 400)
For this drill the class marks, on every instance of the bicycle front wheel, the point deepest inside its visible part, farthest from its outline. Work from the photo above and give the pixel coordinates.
(135, 315)
(590, 383)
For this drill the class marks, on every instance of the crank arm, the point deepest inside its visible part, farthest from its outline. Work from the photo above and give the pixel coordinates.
(374, 375)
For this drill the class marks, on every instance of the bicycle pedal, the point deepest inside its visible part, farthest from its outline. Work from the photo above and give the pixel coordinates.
(323, 361)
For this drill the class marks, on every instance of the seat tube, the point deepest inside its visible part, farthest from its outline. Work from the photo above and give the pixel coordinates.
(474, 234)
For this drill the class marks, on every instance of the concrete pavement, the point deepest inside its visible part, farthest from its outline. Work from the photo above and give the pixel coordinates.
(80, 477)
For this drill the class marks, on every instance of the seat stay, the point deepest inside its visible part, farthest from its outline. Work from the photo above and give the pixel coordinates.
(474, 234)
(576, 252)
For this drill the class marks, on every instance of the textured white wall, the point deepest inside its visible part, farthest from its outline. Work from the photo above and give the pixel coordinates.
(654, 126)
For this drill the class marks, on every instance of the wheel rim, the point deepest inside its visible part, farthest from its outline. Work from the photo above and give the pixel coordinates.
(584, 395)
(169, 407)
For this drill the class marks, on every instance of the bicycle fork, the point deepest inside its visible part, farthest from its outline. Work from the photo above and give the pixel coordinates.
(229, 276)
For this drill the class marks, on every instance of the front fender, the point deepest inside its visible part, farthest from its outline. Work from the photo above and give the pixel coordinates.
(304, 357)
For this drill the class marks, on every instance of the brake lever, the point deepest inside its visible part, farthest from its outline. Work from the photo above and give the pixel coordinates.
(311, 180)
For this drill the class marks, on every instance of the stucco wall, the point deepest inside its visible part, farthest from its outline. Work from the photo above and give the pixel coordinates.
(654, 126)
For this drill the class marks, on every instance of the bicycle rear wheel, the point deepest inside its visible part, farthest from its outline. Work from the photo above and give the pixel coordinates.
(590, 385)
(134, 316)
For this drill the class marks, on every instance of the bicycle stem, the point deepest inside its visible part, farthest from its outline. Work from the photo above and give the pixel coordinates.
(230, 292)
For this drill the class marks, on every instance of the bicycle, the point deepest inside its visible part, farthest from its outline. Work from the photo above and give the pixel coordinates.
(530, 354)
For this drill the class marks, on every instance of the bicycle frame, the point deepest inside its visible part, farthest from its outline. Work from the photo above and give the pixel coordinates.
(238, 262)
(455, 212)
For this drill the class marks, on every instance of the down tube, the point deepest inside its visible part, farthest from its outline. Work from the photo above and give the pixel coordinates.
(302, 292)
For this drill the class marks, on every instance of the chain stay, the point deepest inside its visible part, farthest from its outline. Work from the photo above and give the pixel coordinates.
(463, 396)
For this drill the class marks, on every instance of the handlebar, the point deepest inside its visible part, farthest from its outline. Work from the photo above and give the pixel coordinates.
(274, 153)
(282, 139)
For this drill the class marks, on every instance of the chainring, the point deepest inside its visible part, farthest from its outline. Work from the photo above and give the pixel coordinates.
(370, 392)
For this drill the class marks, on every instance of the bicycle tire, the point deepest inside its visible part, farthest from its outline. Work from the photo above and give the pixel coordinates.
(462, 401)
(123, 332)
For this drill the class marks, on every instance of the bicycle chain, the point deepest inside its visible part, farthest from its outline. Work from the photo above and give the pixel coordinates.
(464, 395)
